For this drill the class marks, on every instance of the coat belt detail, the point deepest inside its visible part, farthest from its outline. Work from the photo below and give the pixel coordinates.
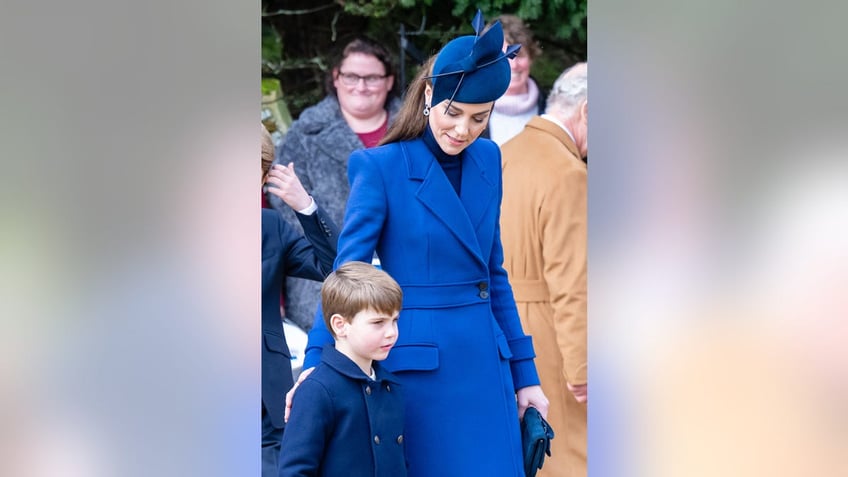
(445, 295)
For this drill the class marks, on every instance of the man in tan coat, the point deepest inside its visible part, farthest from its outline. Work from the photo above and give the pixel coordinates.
(543, 228)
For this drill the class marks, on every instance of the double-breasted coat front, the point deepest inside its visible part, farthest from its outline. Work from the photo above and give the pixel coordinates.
(461, 352)
(345, 424)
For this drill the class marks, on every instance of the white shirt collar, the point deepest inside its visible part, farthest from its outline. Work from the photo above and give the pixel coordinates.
(556, 121)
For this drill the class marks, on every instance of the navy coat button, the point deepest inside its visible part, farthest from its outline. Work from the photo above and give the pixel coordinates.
(484, 294)
(368, 390)
(483, 286)
(377, 440)
(400, 439)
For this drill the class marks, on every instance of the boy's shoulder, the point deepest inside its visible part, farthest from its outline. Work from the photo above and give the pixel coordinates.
(335, 367)
(324, 374)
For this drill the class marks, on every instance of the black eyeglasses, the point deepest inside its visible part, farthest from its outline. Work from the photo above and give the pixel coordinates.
(351, 79)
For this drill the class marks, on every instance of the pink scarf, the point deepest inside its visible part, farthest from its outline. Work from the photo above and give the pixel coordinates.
(516, 104)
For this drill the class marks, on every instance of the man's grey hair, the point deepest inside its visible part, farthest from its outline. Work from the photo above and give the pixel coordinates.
(569, 90)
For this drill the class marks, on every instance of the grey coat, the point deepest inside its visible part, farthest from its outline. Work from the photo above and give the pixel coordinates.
(318, 143)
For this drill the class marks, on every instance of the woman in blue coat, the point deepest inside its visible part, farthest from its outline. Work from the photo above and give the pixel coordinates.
(428, 201)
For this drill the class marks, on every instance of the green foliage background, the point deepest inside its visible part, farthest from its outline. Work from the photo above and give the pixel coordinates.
(299, 35)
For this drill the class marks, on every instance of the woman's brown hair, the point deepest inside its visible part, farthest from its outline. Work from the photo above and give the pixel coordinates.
(410, 122)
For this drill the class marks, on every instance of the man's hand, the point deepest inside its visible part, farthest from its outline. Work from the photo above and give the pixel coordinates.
(579, 391)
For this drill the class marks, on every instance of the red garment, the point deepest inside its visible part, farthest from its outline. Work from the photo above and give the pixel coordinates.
(371, 139)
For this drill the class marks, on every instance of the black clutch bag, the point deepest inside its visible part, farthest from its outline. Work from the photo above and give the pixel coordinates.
(536, 435)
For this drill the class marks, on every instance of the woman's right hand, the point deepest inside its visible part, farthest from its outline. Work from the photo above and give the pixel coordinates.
(290, 394)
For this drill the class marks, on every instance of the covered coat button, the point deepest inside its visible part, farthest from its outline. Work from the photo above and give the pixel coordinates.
(377, 440)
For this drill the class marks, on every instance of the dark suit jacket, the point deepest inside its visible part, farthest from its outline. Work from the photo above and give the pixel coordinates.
(286, 253)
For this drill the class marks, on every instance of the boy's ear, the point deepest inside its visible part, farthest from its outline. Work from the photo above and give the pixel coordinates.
(338, 323)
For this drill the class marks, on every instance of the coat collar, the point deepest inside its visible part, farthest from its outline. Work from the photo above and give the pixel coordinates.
(462, 215)
(344, 366)
(538, 122)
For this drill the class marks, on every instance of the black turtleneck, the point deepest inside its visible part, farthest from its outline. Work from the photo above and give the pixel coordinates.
(452, 165)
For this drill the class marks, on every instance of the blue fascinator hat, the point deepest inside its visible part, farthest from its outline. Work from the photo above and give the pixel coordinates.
(473, 68)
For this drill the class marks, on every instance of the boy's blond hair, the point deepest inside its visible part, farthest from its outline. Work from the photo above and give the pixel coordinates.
(359, 286)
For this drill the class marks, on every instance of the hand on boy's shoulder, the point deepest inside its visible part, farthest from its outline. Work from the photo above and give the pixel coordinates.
(290, 394)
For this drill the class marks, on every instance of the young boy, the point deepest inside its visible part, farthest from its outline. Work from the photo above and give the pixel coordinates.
(347, 416)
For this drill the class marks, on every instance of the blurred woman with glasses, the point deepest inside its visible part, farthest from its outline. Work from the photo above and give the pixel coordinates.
(362, 99)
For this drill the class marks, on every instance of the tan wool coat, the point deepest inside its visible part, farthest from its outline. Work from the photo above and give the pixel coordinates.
(544, 234)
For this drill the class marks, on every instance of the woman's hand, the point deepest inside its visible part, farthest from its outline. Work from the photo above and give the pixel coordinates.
(290, 394)
(529, 396)
(285, 184)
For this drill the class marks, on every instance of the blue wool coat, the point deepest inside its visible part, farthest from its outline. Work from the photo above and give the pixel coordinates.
(343, 424)
(461, 352)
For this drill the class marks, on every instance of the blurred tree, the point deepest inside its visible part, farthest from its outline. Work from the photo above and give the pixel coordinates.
(299, 35)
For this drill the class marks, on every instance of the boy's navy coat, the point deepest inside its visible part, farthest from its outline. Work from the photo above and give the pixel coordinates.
(343, 424)
(461, 352)
(287, 253)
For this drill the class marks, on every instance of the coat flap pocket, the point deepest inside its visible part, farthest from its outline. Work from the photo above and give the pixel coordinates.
(503, 347)
(276, 343)
(412, 357)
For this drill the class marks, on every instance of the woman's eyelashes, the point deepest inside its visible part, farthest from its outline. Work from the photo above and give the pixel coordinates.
(476, 119)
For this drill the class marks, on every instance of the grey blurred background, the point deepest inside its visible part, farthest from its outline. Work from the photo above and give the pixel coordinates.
(130, 238)
(718, 224)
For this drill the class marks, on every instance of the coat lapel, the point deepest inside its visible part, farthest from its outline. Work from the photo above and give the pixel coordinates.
(478, 189)
(555, 130)
(436, 193)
